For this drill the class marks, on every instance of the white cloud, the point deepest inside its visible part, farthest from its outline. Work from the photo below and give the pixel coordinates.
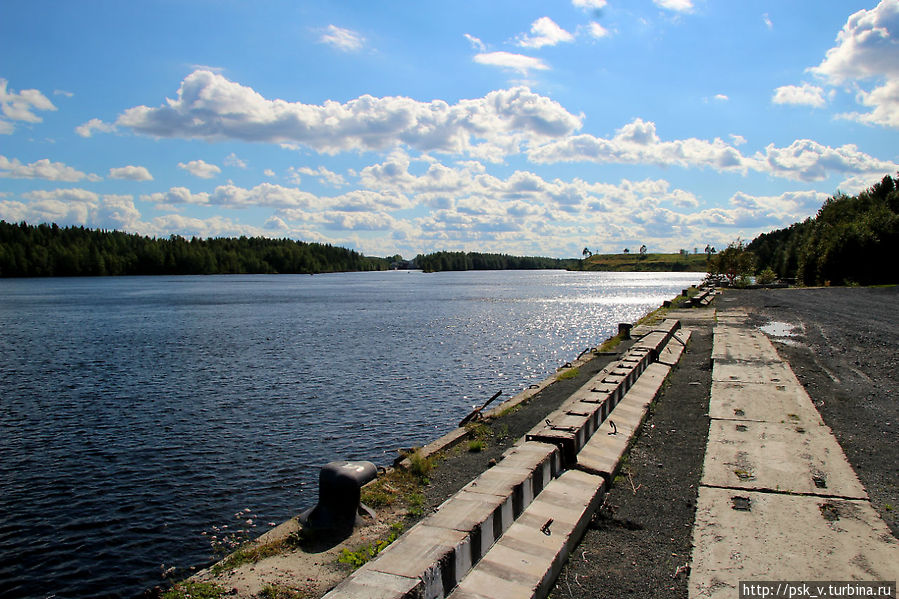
(208, 106)
(808, 160)
(806, 94)
(508, 60)
(87, 129)
(232, 160)
(544, 32)
(20, 106)
(321, 173)
(721, 97)
(74, 207)
(675, 5)
(268, 172)
(767, 20)
(345, 40)
(866, 54)
(42, 169)
(589, 4)
(200, 168)
(596, 30)
(476, 43)
(62, 92)
(639, 143)
(131, 173)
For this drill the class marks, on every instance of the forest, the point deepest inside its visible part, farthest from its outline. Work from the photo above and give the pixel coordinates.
(851, 240)
(441, 261)
(51, 251)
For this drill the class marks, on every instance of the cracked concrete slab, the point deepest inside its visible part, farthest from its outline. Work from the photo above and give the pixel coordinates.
(745, 535)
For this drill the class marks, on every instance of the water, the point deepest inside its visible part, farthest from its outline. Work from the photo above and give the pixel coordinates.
(141, 416)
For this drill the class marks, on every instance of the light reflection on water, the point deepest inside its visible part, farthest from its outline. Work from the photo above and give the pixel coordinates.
(138, 413)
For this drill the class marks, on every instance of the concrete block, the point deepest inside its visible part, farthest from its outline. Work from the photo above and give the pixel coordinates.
(772, 536)
(528, 558)
(671, 353)
(438, 557)
(506, 482)
(779, 457)
(483, 517)
(785, 403)
(368, 584)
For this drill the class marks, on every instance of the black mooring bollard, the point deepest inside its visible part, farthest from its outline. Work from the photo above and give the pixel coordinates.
(624, 330)
(339, 491)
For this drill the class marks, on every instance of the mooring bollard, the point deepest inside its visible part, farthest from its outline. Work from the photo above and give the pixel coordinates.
(624, 330)
(339, 492)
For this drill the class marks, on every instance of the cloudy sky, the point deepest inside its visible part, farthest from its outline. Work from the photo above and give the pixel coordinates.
(525, 127)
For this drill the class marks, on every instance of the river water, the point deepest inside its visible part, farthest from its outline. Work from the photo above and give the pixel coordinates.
(142, 419)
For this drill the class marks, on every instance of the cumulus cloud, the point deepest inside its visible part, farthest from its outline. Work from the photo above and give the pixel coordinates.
(200, 168)
(42, 169)
(74, 207)
(544, 32)
(131, 173)
(209, 106)
(509, 60)
(766, 19)
(639, 143)
(806, 94)
(232, 160)
(321, 173)
(808, 160)
(589, 4)
(867, 55)
(345, 40)
(596, 30)
(675, 5)
(87, 129)
(20, 106)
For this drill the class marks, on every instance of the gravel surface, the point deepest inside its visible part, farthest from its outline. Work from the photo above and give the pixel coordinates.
(642, 535)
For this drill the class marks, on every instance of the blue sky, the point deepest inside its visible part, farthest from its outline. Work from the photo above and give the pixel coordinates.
(531, 128)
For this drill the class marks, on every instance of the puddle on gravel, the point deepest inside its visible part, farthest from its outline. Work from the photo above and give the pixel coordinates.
(780, 329)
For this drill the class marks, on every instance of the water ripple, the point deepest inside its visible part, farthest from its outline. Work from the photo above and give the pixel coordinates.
(137, 414)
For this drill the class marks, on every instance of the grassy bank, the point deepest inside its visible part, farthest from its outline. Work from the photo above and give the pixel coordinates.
(645, 262)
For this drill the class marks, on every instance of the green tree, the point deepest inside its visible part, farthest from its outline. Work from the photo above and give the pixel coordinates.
(733, 262)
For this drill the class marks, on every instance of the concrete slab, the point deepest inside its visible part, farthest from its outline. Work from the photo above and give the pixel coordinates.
(675, 348)
(483, 517)
(693, 314)
(506, 482)
(774, 373)
(438, 557)
(602, 455)
(785, 403)
(367, 584)
(780, 457)
(785, 537)
(528, 558)
(742, 343)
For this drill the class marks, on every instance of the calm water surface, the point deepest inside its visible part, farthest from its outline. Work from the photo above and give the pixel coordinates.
(141, 416)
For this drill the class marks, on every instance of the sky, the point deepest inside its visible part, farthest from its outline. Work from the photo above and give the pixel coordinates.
(404, 127)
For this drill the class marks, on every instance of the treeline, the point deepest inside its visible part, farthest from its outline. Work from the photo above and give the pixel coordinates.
(441, 261)
(850, 240)
(48, 250)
